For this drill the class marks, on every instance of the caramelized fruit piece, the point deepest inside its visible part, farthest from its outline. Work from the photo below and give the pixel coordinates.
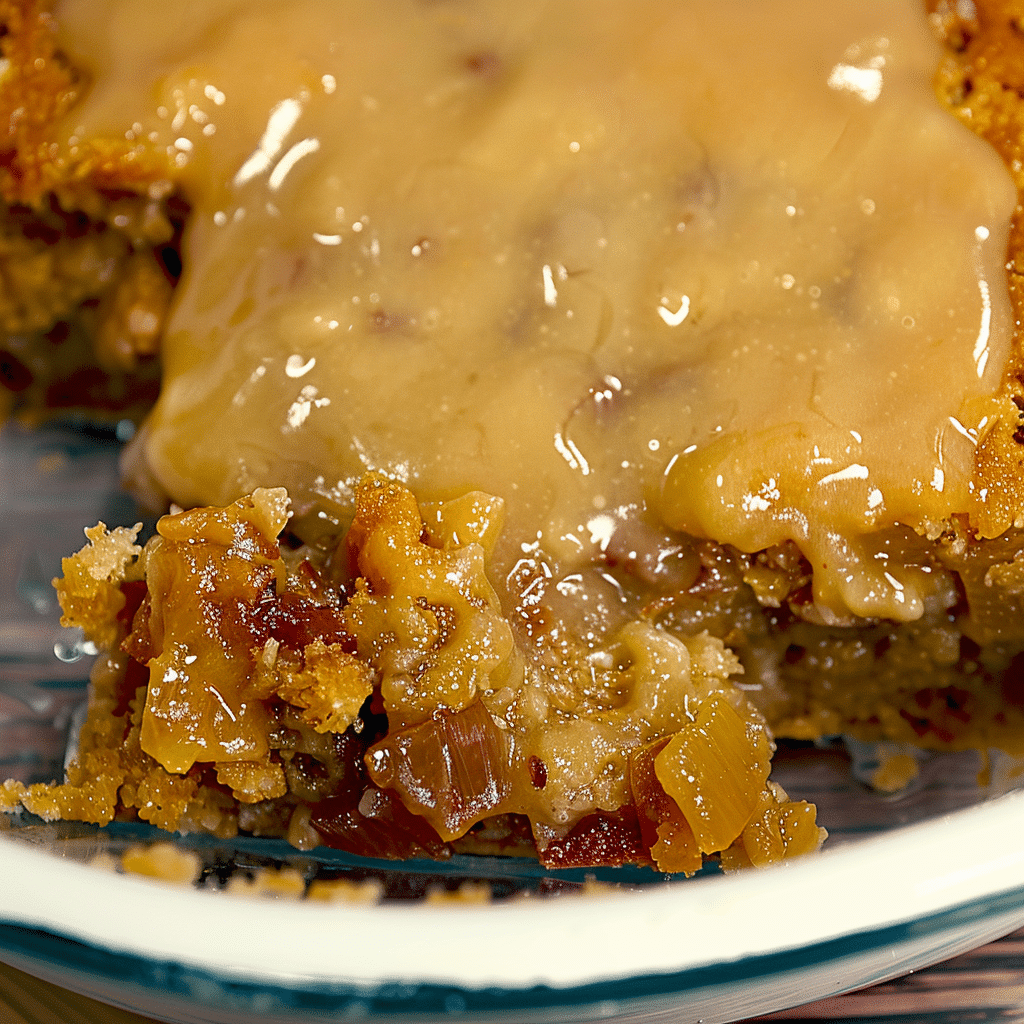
(779, 828)
(715, 769)
(453, 770)
(205, 577)
(666, 832)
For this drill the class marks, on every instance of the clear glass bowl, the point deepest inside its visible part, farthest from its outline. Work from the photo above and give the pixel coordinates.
(904, 882)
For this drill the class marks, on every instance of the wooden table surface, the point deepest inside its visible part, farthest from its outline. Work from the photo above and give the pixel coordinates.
(982, 987)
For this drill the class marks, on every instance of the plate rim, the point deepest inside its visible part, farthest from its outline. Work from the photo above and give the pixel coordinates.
(49, 953)
(907, 880)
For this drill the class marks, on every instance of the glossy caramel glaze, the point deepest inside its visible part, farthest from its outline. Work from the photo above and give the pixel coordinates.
(732, 265)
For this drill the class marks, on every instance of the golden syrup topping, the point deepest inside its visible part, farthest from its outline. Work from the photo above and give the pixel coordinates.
(732, 260)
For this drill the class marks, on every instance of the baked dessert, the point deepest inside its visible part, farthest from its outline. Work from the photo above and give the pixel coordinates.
(560, 402)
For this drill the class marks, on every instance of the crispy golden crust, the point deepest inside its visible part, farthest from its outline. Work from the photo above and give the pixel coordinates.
(981, 81)
(89, 237)
(39, 86)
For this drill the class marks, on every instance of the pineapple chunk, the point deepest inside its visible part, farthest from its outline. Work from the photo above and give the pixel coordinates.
(715, 769)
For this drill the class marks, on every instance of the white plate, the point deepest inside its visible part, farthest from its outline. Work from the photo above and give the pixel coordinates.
(909, 881)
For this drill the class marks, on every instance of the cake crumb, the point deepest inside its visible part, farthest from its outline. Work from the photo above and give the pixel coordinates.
(894, 773)
(467, 894)
(165, 861)
(369, 891)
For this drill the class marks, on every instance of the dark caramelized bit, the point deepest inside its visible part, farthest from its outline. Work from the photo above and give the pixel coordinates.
(485, 63)
(14, 374)
(942, 713)
(376, 826)
(295, 621)
(609, 839)
(1012, 687)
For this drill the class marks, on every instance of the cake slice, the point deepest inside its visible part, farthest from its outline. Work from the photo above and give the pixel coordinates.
(560, 401)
